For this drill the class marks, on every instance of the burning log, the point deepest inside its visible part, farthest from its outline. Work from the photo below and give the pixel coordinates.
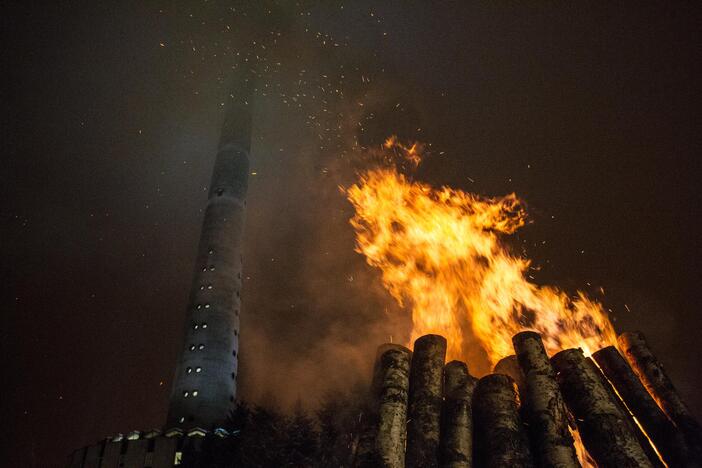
(546, 412)
(667, 439)
(510, 366)
(641, 437)
(457, 420)
(603, 427)
(425, 398)
(659, 385)
(501, 440)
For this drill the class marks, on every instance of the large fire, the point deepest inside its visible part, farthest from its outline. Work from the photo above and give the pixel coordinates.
(440, 252)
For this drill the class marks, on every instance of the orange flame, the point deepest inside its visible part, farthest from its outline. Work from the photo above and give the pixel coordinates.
(440, 251)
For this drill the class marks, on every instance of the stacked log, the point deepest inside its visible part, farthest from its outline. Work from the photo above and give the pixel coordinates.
(392, 408)
(665, 436)
(653, 376)
(635, 429)
(545, 410)
(602, 425)
(500, 440)
(510, 366)
(456, 449)
(425, 401)
(365, 453)
(422, 413)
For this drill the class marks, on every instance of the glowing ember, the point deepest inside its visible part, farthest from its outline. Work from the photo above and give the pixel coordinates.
(439, 250)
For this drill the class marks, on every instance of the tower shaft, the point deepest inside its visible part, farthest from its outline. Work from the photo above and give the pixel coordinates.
(204, 388)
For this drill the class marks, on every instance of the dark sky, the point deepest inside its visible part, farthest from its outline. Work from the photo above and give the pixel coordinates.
(590, 113)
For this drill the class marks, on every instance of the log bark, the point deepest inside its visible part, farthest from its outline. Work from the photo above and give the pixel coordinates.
(602, 425)
(456, 450)
(510, 366)
(500, 438)
(366, 453)
(653, 376)
(426, 378)
(545, 410)
(666, 437)
(635, 429)
(392, 410)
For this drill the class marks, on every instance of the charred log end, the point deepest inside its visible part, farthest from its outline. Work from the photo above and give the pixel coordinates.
(455, 376)
(510, 366)
(531, 354)
(377, 370)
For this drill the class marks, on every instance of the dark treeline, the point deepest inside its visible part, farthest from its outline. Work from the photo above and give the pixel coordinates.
(264, 436)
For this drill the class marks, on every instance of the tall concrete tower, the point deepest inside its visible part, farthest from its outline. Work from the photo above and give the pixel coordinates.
(205, 381)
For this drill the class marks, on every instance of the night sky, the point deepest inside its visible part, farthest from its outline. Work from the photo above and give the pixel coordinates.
(111, 113)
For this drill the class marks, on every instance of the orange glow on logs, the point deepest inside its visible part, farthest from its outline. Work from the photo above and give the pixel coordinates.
(440, 253)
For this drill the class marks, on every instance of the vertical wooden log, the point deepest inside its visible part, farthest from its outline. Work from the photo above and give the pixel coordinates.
(392, 411)
(653, 376)
(602, 426)
(546, 412)
(366, 455)
(426, 378)
(510, 366)
(666, 437)
(456, 450)
(499, 436)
